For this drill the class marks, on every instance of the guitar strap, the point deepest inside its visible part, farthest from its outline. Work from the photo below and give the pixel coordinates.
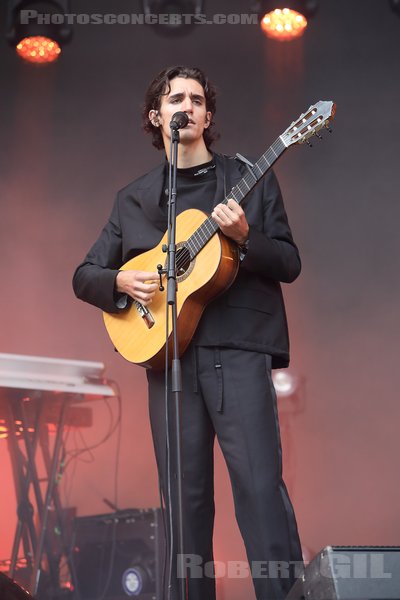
(226, 169)
(242, 159)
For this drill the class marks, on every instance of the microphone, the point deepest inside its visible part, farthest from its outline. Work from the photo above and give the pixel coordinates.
(179, 121)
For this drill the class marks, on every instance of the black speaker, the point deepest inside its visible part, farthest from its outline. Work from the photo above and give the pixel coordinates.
(350, 573)
(10, 590)
(118, 556)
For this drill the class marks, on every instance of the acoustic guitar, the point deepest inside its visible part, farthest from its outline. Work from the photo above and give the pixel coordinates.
(207, 262)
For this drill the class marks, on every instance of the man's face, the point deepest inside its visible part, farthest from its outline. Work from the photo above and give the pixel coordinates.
(185, 95)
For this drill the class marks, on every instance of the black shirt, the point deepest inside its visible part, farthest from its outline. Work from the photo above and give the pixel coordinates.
(196, 187)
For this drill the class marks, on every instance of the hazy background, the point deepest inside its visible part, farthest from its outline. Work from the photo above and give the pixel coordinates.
(71, 137)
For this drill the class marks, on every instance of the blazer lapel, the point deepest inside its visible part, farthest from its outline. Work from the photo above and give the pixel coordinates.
(149, 193)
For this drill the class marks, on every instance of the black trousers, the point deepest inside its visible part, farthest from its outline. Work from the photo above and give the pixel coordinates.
(229, 392)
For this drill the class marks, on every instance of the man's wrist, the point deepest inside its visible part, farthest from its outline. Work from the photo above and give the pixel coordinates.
(120, 297)
(244, 244)
(243, 248)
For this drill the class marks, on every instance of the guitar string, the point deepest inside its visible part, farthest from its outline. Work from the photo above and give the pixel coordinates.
(208, 228)
(200, 237)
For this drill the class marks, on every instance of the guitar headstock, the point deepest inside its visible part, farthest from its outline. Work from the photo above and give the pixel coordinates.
(308, 124)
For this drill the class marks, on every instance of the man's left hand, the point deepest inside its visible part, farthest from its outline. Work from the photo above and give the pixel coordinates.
(232, 221)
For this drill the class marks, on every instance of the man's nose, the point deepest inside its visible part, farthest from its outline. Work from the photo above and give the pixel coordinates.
(187, 105)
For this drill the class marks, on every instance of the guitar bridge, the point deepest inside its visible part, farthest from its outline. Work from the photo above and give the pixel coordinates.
(145, 314)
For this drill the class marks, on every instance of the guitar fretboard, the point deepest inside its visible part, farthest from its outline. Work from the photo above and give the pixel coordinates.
(208, 228)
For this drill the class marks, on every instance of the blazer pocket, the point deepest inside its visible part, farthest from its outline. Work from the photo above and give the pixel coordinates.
(252, 299)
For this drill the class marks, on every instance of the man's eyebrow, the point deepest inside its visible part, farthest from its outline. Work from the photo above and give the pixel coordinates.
(178, 95)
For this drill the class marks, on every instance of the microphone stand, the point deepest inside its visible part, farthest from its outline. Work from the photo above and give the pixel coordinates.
(176, 378)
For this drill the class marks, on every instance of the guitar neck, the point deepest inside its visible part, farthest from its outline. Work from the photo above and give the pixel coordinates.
(208, 228)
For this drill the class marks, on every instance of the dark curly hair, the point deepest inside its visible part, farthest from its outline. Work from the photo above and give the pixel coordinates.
(160, 86)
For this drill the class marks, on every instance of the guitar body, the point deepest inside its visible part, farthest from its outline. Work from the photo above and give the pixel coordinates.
(200, 280)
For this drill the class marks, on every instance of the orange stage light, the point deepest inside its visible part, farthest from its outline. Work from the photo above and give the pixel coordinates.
(283, 24)
(38, 49)
(3, 431)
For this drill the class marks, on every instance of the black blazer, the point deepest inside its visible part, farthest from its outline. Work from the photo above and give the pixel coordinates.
(251, 314)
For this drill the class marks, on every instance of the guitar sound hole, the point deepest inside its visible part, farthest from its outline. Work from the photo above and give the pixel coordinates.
(182, 261)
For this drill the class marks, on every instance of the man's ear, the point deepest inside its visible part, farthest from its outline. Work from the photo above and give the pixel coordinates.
(153, 117)
(208, 119)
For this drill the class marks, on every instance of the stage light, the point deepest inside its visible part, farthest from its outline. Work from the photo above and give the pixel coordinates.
(285, 383)
(38, 30)
(3, 430)
(18, 431)
(283, 24)
(172, 17)
(38, 49)
(134, 580)
(285, 20)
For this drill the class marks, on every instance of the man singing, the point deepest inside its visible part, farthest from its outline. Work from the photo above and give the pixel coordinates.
(242, 335)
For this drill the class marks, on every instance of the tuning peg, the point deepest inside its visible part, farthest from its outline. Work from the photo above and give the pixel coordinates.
(328, 128)
(308, 144)
(319, 136)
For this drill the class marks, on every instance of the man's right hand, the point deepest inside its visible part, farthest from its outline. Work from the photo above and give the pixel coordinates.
(139, 285)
